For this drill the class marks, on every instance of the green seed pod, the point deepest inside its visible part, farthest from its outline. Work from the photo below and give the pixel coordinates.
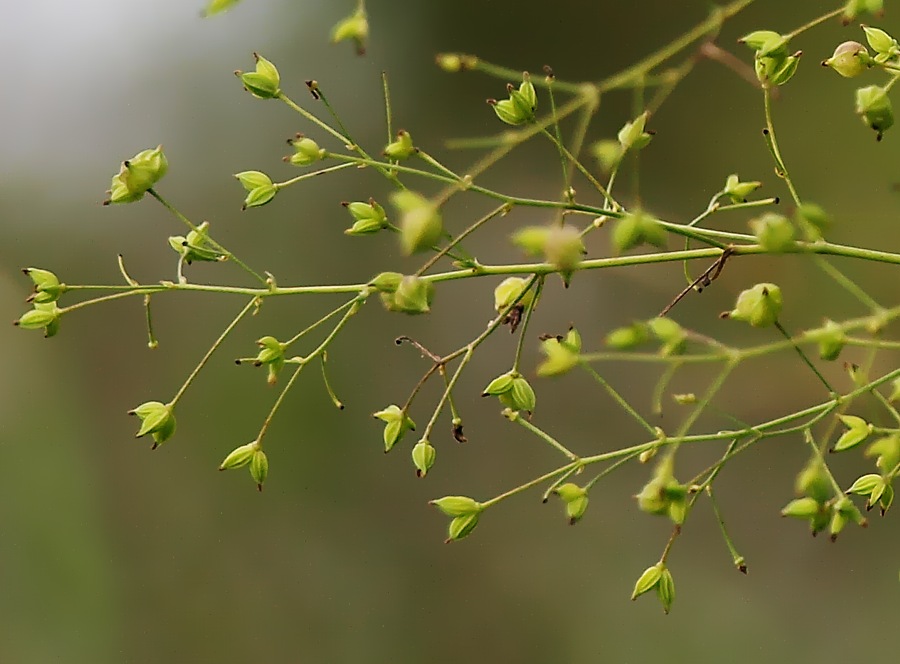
(758, 39)
(738, 191)
(813, 219)
(454, 506)
(665, 589)
(857, 431)
(759, 306)
(626, 338)
(264, 82)
(866, 484)
(647, 580)
(801, 508)
(855, 7)
(423, 454)
(520, 107)
(875, 108)
(520, 395)
(46, 286)
(251, 180)
(560, 357)
(306, 151)
(830, 339)
(608, 153)
(773, 231)
(670, 333)
(510, 290)
(259, 467)
(259, 186)
(849, 59)
(387, 282)
(637, 228)
(413, 296)
(532, 239)
(564, 248)
(881, 42)
(886, 452)
(632, 135)
(369, 217)
(355, 28)
(397, 423)
(500, 385)
(813, 482)
(239, 456)
(784, 70)
(421, 225)
(575, 498)
(44, 315)
(137, 175)
(157, 419)
(460, 527)
(402, 148)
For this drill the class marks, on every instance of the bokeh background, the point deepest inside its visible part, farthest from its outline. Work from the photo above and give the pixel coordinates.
(111, 553)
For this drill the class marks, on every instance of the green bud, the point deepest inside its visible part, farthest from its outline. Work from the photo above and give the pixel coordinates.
(738, 191)
(665, 589)
(44, 315)
(455, 506)
(413, 296)
(663, 494)
(306, 151)
(259, 186)
(637, 228)
(830, 339)
(576, 500)
(369, 217)
(46, 286)
(157, 419)
(564, 248)
(214, 7)
(759, 39)
(670, 333)
(881, 42)
(264, 82)
(519, 108)
(854, 7)
(460, 527)
(387, 282)
(886, 452)
(887, 499)
(759, 306)
(421, 225)
(648, 580)
(402, 148)
(137, 175)
(355, 27)
(813, 219)
(532, 239)
(510, 290)
(196, 246)
(608, 153)
(271, 354)
(773, 231)
(626, 338)
(849, 59)
(259, 467)
(423, 454)
(572, 340)
(239, 456)
(857, 431)
(397, 423)
(632, 135)
(813, 482)
(561, 357)
(455, 62)
(801, 508)
(843, 512)
(875, 108)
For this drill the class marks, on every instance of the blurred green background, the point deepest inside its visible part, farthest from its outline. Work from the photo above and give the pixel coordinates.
(110, 553)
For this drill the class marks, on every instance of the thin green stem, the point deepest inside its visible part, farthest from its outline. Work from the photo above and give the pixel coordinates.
(212, 349)
(529, 310)
(516, 417)
(619, 399)
(805, 358)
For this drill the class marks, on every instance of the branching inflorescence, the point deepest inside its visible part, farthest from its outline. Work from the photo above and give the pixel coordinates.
(558, 248)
